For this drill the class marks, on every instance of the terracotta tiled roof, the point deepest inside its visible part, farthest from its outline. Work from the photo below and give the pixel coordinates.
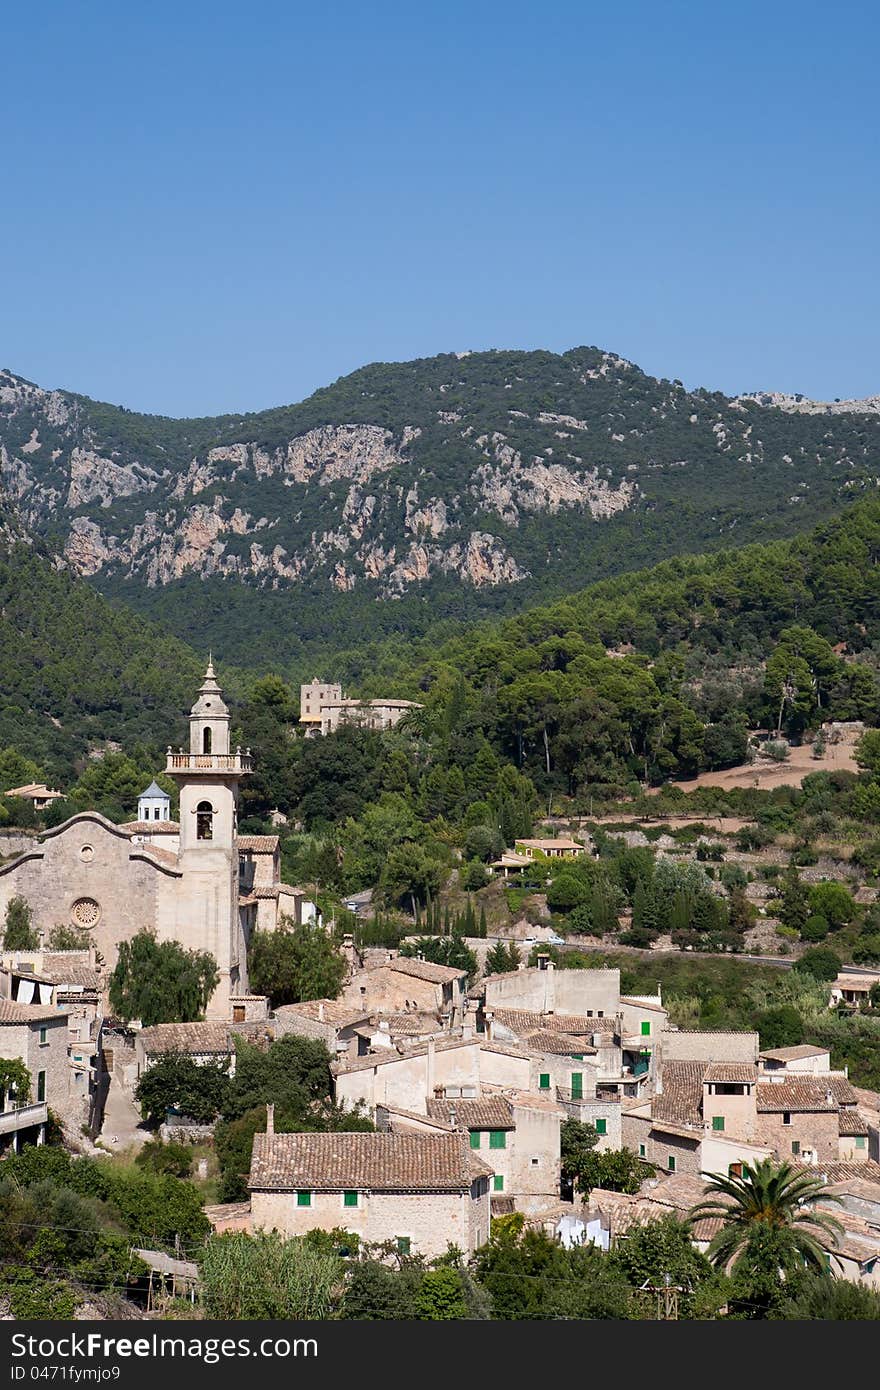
(489, 1112)
(70, 968)
(186, 1037)
(413, 1024)
(391, 1054)
(381, 1162)
(834, 1173)
(260, 844)
(566, 1044)
(731, 1071)
(162, 856)
(425, 970)
(805, 1094)
(682, 1094)
(523, 1020)
(334, 1012)
(12, 1012)
(850, 1123)
(151, 827)
(793, 1054)
(865, 1188)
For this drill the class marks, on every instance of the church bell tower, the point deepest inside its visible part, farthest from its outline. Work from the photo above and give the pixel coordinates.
(208, 777)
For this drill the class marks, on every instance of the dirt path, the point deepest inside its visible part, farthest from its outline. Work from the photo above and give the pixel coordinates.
(121, 1128)
(764, 774)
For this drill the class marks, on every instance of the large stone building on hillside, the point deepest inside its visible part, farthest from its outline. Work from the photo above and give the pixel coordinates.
(195, 882)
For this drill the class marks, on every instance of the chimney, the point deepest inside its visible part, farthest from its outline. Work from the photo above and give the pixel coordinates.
(270, 1117)
(429, 1078)
(320, 1010)
(452, 1116)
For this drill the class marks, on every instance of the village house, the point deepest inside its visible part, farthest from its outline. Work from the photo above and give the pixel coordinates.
(853, 989)
(404, 983)
(323, 707)
(337, 1025)
(518, 1137)
(37, 793)
(36, 1036)
(448, 1067)
(422, 1192)
(559, 848)
(206, 1043)
(804, 1059)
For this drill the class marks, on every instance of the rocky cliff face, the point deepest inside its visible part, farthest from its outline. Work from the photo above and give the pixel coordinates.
(495, 469)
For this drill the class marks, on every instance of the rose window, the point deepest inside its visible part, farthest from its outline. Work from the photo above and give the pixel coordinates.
(85, 912)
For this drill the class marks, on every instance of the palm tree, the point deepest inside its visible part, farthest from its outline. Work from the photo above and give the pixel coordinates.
(769, 1203)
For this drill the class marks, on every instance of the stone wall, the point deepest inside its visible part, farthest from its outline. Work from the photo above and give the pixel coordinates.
(430, 1221)
(685, 1046)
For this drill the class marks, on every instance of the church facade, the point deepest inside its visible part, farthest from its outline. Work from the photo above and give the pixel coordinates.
(190, 882)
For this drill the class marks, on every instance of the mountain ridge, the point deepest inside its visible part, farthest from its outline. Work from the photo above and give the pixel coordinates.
(473, 482)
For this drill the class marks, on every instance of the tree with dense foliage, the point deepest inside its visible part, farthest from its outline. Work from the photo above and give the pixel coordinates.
(820, 962)
(176, 1082)
(780, 1026)
(443, 950)
(834, 1300)
(294, 963)
(161, 982)
(617, 1170)
(19, 932)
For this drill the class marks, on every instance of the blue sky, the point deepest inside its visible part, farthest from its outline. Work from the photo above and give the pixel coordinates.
(212, 207)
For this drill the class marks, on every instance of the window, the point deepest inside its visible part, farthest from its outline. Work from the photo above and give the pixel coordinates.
(303, 1199)
(497, 1139)
(475, 1138)
(646, 1027)
(578, 1056)
(544, 1081)
(718, 1122)
(535, 1162)
(860, 1141)
(642, 1151)
(601, 1126)
(498, 1183)
(734, 1170)
(204, 821)
(41, 1085)
(44, 1036)
(349, 1199)
(404, 1245)
(206, 741)
(600, 1013)
(786, 1117)
(795, 1146)
(577, 1085)
(671, 1163)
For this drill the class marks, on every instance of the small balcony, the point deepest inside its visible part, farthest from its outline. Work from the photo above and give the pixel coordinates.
(219, 764)
(23, 1117)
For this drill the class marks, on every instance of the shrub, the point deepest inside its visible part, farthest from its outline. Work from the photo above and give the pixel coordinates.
(820, 962)
(815, 928)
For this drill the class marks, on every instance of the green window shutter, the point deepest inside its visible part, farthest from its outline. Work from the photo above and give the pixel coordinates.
(404, 1245)
(671, 1164)
(646, 1028)
(475, 1138)
(498, 1182)
(642, 1151)
(795, 1146)
(497, 1139)
(601, 1126)
(41, 1085)
(860, 1141)
(577, 1085)
(303, 1199)
(350, 1199)
(44, 1034)
(578, 1056)
(718, 1122)
(544, 1081)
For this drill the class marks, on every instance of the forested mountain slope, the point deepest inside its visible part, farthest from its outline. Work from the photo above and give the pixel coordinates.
(76, 673)
(658, 673)
(457, 485)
